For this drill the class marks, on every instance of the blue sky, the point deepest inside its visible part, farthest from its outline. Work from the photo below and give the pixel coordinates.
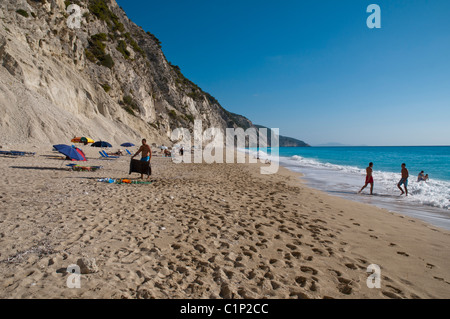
(313, 68)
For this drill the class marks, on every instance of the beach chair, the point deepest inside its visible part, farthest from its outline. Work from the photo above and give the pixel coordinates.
(129, 152)
(109, 156)
(105, 156)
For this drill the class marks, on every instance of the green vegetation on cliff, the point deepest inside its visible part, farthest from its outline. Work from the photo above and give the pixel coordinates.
(96, 50)
(100, 9)
(23, 13)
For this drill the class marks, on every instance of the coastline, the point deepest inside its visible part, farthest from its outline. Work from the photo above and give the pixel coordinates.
(428, 201)
(204, 231)
(386, 231)
(435, 216)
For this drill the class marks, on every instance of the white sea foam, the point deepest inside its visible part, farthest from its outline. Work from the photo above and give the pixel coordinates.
(433, 193)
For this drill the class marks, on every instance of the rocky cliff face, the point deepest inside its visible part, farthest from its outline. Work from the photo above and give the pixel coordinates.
(107, 79)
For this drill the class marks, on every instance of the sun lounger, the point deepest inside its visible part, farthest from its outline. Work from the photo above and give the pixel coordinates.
(109, 156)
(103, 156)
(129, 152)
(106, 156)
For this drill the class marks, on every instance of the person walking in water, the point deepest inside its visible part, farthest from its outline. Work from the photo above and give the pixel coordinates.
(404, 180)
(369, 179)
(421, 176)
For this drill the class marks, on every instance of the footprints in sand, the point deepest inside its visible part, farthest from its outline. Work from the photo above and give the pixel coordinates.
(301, 281)
(307, 269)
(402, 253)
(393, 292)
(318, 251)
(148, 245)
(344, 285)
(351, 266)
(296, 254)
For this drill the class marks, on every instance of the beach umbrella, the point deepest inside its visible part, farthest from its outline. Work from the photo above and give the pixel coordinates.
(82, 140)
(127, 144)
(101, 144)
(81, 153)
(74, 154)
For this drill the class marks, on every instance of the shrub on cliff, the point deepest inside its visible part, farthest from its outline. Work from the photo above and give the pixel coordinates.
(100, 9)
(107, 61)
(23, 13)
(134, 44)
(128, 100)
(106, 87)
(172, 114)
(154, 38)
(122, 48)
(96, 50)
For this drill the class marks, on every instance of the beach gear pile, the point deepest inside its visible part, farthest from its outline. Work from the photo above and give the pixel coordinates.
(121, 181)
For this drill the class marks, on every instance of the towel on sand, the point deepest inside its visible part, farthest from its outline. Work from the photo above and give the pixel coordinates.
(137, 166)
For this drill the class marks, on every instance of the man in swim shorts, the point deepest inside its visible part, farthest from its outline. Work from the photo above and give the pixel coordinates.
(146, 153)
(404, 180)
(421, 176)
(369, 179)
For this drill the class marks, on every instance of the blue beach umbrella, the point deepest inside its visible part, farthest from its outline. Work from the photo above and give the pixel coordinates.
(101, 144)
(127, 144)
(70, 152)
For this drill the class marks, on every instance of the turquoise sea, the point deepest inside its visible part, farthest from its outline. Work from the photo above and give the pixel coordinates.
(340, 171)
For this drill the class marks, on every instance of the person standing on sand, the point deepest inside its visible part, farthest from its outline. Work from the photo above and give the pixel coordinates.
(369, 179)
(146, 153)
(404, 180)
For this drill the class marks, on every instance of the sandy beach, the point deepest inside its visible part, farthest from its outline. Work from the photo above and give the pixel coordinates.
(202, 231)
